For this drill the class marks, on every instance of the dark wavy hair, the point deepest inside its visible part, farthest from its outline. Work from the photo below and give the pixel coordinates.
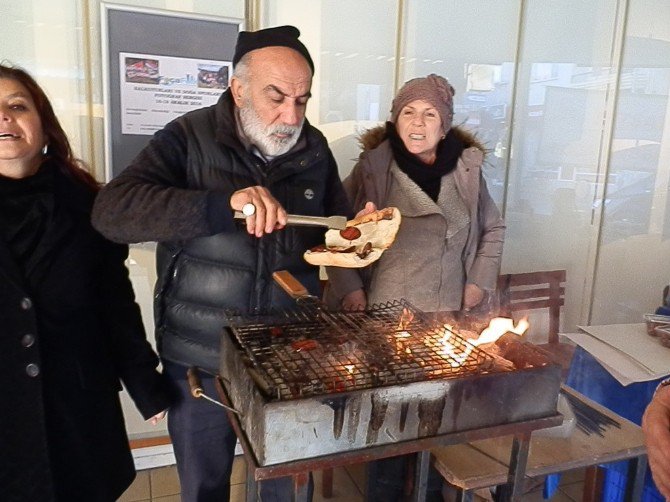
(59, 149)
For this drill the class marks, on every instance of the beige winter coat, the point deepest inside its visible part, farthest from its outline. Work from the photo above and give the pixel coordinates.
(419, 266)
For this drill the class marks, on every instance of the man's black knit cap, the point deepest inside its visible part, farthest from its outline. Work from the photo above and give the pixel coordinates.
(283, 36)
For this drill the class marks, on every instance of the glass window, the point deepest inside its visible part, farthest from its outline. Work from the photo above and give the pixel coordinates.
(45, 39)
(562, 91)
(446, 38)
(579, 166)
(353, 47)
(635, 241)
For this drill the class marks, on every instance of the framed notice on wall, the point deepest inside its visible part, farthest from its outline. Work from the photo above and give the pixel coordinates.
(158, 65)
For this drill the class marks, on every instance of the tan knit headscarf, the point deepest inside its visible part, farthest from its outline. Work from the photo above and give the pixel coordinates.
(434, 89)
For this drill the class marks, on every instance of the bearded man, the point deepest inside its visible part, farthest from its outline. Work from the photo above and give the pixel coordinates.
(254, 149)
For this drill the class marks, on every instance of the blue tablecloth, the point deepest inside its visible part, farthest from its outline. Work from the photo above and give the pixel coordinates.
(595, 382)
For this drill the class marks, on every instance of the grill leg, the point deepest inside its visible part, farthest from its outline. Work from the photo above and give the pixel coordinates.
(252, 486)
(421, 476)
(371, 476)
(635, 484)
(301, 487)
(517, 467)
(464, 495)
(327, 483)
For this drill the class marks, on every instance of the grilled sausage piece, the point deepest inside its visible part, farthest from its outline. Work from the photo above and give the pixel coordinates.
(350, 233)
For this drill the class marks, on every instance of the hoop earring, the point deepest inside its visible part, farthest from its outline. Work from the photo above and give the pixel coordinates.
(45, 149)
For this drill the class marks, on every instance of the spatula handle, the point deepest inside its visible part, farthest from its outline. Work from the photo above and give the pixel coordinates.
(290, 284)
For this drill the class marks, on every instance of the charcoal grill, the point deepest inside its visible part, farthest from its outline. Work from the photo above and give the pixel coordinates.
(315, 388)
(313, 352)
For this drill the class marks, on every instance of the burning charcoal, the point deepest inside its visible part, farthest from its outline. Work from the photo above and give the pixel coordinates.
(335, 384)
(276, 331)
(522, 354)
(296, 386)
(506, 340)
(499, 363)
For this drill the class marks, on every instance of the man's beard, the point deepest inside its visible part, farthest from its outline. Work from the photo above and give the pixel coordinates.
(262, 136)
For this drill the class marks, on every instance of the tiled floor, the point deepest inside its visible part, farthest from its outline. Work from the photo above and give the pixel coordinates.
(162, 485)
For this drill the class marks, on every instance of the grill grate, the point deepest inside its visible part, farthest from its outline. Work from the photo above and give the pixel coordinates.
(310, 351)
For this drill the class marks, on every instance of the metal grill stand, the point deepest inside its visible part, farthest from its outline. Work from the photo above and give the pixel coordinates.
(299, 469)
(316, 389)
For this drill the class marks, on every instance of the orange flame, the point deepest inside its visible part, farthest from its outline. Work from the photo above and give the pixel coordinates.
(406, 318)
(400, 346)
(459, 353)
(455, 356)
(498, 327)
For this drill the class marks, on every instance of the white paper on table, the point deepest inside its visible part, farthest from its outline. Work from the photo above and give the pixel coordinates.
(633, 340)
(624, 368)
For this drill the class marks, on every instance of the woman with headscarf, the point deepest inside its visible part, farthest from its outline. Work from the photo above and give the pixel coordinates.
(446, 256)
(70, 330)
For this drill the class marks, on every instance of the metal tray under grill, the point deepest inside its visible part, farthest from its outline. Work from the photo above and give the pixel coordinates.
(311, 351)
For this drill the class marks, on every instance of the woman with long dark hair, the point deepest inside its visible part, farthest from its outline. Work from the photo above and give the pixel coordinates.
(70, 330)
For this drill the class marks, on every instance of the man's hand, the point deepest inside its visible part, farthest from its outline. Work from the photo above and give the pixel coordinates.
(472, 296)
(269, 214)
(656, 428)
(157, 417)
(355, 300)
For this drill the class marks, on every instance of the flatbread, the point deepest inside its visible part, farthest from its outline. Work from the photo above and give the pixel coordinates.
(377, 231)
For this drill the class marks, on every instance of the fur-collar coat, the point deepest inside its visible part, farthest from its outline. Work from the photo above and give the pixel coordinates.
(414, 268)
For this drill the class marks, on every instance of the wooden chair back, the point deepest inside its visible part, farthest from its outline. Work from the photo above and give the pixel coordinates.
(534, 290)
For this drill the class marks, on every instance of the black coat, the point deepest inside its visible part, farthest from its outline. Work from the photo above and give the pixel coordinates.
(177, 191)
(63, 348)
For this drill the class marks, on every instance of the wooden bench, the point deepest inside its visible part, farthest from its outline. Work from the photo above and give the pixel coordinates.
(485, 463)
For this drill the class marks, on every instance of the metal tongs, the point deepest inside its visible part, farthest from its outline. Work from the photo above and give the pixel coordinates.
(336, 222)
